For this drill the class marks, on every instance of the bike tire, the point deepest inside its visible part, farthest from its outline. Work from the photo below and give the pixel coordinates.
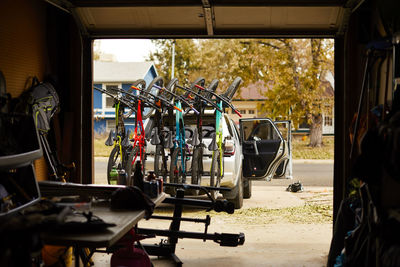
(199, 81)
(197, 159)
(171, 86)
(148, 111)
(212, 87)
(230, 92)
(130, 166)
(215, 173)
(139, 84)
(114, 163)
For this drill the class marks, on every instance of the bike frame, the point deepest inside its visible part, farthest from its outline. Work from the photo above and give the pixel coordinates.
(139, 136)
(180, 142)
(219, 137)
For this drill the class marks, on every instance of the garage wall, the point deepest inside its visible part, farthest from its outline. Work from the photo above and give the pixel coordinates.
(23, 49)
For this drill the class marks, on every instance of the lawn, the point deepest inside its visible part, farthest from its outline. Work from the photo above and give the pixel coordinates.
(301, 150)
(100, 149)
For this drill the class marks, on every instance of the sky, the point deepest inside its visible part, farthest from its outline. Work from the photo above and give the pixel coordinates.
(127, 50)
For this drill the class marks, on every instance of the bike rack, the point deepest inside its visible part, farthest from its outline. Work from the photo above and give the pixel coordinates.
(167, 248)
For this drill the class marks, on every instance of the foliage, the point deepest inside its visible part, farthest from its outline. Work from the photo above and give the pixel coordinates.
(299, 67)
(96, 50)
(186, 66)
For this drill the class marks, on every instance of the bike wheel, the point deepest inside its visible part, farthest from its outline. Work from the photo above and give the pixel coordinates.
(171, 86)
(141, 84)
(160, 169)
(114, 165)
(215, 173)
(212, 87)
(199, 81)
(230, 92)
(197, 169)
(148, 111)
(130, 166)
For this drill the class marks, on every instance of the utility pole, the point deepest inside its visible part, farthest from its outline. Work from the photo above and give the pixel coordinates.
(173, 61)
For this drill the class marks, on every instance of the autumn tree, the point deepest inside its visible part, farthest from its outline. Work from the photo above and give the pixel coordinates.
(292, 71)
(297, 92)
(186, 66)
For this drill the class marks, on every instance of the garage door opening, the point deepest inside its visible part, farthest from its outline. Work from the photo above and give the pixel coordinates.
(283, 79)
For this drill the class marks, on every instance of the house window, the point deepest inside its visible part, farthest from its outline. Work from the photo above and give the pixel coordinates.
(304, 124)
(242, 111)
(109, 99)
(110, 124)
(328, 121)
(251, 111)
(328, 118)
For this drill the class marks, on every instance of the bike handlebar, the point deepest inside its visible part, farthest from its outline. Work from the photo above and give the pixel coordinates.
(179, 97)
(137, 97)
(202, 97)
(115, 97)
(220, 98)
(160, 98)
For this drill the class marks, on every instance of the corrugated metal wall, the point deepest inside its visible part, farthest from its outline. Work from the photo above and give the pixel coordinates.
(23, 49)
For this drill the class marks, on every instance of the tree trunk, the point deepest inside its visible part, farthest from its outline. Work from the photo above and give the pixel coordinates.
(316, 131)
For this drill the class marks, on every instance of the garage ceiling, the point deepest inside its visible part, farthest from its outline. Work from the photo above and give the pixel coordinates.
(207, 18)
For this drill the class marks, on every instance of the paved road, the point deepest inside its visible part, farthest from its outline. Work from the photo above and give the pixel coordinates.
(308, 172)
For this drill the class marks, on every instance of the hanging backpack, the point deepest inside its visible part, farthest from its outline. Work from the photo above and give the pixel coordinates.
(45, 103)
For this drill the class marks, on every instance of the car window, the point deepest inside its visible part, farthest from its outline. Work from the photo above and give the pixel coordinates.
(236, 129)
(259, 130)
(228, 126)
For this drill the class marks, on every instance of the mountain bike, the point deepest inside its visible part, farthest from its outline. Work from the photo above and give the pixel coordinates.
(197, 139)
(217, 144)
(180, 151)
(156, 131)
(165, 135)
(120, 137)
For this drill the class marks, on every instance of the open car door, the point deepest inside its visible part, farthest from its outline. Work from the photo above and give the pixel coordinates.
(286, 166)
(263, 148)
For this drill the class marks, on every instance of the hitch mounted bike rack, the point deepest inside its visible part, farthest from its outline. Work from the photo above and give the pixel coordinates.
(167, 248)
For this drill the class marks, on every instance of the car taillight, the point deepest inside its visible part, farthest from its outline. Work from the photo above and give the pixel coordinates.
(229, 148)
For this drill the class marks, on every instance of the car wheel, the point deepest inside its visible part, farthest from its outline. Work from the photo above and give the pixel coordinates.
(238, 200)
(247, 189)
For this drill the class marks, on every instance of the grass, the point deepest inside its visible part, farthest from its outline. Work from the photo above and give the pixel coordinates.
(301, 150)
(100, 149)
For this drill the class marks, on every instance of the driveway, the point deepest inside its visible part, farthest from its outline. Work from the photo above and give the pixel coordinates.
(280, 230)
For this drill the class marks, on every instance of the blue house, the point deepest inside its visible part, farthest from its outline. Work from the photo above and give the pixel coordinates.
(118, 75)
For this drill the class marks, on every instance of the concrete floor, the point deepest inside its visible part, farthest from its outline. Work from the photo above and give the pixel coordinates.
(277, 244)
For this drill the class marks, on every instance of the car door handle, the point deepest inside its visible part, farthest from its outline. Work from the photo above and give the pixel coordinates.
(255, 147)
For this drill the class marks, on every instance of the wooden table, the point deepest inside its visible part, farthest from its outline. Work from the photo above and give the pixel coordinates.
(124, 220)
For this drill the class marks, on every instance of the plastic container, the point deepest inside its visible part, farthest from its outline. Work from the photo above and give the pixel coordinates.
(19, 141)
(19, 189)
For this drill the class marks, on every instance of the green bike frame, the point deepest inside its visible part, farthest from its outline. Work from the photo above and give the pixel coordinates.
(218, 136)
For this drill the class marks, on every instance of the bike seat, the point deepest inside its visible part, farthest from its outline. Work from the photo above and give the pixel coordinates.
(155, 138)
(110, 139)
(195, 141)
(213, 145)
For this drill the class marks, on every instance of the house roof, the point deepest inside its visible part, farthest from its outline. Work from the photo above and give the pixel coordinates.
(120, 71)
(253, 91)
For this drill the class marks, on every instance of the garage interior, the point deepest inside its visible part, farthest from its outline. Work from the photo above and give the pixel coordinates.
(54, 38)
